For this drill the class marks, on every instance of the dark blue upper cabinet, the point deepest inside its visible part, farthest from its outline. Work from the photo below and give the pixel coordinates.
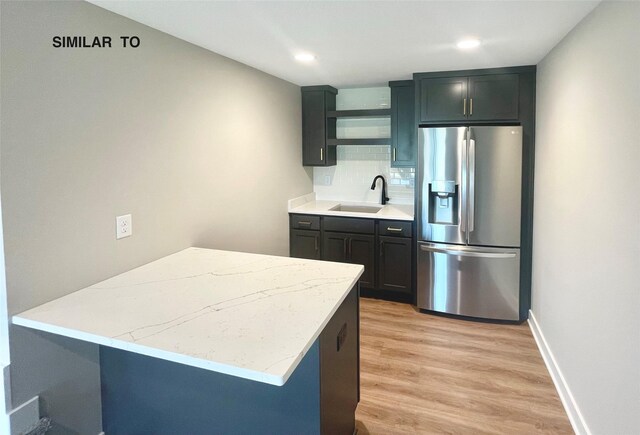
(316, 127)
(454, 97)
(443, 99)
(403, 135)
(493, 97)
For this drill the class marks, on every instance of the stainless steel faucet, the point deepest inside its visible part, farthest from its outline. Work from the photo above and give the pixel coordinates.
(384, 188)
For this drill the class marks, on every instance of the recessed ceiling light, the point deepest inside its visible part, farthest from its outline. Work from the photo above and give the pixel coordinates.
(305, 57)
(468, 43)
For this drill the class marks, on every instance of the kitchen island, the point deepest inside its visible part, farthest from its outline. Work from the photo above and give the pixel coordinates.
(207, 341)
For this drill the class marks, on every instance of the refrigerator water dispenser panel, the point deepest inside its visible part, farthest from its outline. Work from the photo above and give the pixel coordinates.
(443, 202)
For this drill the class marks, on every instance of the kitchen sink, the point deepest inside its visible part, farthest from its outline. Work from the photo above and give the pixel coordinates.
(356, 208)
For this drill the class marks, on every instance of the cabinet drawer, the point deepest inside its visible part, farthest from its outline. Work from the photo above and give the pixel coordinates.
(305, 222)
(349, 225)
(395, 228)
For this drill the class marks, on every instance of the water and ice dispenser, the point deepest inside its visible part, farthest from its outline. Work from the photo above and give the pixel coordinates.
(444, 198)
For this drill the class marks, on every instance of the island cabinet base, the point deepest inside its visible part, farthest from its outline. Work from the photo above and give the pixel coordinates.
(146, 395)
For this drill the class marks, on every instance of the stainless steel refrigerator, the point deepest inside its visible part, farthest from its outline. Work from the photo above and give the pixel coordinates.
(468, 211)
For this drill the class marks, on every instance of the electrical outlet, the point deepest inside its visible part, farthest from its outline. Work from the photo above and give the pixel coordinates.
(124, 227)
(327, 180)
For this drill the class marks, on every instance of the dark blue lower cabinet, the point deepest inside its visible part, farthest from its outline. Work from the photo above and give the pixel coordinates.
(146, 395)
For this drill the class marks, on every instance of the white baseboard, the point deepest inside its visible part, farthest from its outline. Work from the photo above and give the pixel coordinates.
(570, 406)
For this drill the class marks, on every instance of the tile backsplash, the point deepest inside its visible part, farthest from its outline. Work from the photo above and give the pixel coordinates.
(350, 180)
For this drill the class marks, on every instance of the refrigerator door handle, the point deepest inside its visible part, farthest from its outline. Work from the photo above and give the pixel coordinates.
(466, 253)
(472, 183)
(463, 187)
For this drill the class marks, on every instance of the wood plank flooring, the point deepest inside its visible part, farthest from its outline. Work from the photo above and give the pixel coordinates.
(425, 374)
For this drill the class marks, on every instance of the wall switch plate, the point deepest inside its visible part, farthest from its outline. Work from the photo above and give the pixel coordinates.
(124, 226)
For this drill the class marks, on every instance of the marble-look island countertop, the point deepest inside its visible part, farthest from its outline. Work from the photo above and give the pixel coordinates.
(247, 315)
(307, 204)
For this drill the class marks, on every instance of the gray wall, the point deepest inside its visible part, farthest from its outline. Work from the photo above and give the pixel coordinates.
(586, 291)
(202, 150)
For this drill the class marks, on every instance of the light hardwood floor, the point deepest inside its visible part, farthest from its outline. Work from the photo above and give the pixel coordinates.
(425, 374)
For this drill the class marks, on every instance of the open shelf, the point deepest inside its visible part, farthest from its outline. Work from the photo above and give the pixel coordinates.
(360, 141)
(359, 113)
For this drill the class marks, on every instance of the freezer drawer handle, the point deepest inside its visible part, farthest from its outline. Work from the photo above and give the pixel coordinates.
(469, 253)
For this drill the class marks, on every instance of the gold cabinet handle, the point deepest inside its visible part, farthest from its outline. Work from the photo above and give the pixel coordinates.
(394, 230)
(464, 107)
(470, 106)
(304, 223)
(320, 154)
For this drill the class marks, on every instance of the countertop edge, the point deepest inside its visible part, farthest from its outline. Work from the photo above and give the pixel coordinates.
(152, 352)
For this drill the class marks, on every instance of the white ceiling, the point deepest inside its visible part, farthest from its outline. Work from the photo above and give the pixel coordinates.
(360, 43)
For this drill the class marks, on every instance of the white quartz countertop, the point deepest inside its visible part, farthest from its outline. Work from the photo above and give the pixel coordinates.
(309, 205)
(247, 315)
